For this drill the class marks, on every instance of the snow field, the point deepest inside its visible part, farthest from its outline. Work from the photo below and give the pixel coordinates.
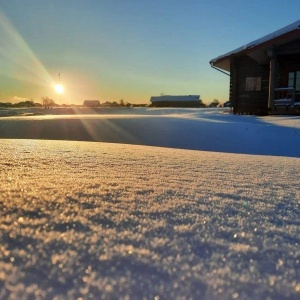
(197, 129)
(85, 220)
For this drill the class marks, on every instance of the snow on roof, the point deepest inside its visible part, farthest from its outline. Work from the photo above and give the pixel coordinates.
(252, 45)
(175, 98)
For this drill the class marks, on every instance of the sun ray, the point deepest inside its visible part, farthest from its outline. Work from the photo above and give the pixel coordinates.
(21, 62)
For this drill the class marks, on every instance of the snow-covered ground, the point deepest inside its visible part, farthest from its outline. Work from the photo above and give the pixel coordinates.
(98, 220)
(197, 129)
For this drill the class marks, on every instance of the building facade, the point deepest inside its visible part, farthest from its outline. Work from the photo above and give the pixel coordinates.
(176, 101)
(264, 74)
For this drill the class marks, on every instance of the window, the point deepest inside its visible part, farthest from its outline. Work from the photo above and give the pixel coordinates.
(297, 83)
(253, 84)
(294, 80)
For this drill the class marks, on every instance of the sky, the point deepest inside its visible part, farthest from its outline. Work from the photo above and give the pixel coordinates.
(109, 50)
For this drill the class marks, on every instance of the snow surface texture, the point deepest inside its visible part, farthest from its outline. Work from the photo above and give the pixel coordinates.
(109, 221)
(86, 220)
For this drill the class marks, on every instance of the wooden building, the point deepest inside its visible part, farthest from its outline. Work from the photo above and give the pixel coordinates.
(264, 74)
(176, 101)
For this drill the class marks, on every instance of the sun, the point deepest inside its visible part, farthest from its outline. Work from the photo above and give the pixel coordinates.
(59, 88)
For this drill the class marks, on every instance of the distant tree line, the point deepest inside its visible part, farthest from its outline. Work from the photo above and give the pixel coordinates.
(48, 102)
(214, 103)
(121, 103)
(27, 103)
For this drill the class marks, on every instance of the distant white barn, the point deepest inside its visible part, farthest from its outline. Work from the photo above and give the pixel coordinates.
(176, 101)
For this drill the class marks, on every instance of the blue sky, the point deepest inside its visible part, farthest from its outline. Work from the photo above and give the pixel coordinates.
(115, 49)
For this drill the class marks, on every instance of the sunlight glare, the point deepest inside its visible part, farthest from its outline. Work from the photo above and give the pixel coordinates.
(59, 88)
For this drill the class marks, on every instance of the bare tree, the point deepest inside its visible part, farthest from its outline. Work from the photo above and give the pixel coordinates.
(47, 102)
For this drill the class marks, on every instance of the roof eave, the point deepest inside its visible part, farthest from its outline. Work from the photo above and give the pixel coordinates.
(223, 61)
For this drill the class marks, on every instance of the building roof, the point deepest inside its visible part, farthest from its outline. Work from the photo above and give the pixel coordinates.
(257, 49)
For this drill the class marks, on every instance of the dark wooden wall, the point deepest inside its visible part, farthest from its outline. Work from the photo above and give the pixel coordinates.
(248, 102)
